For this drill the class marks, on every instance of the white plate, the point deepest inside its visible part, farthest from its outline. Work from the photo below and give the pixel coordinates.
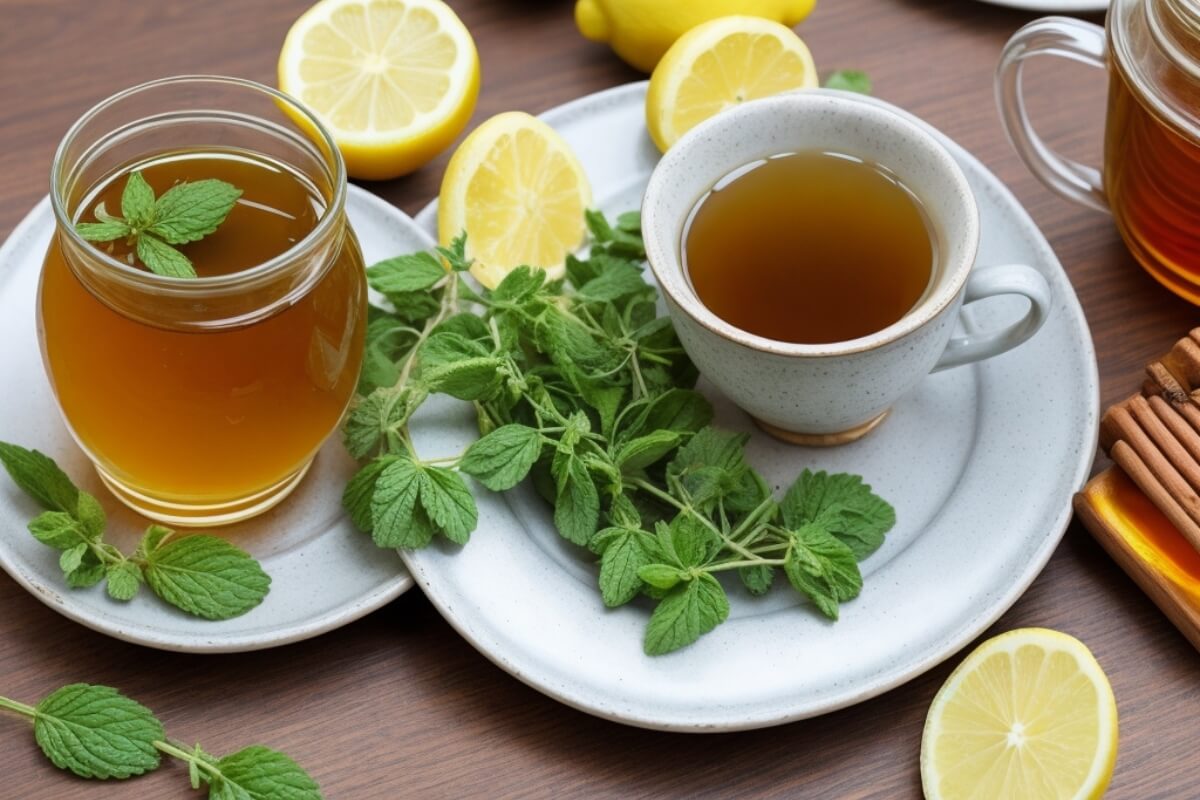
(1054, 6)
(980, 462)
(324, 573)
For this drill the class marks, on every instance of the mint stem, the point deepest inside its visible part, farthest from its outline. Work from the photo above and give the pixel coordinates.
(19, 708)
(185, 755)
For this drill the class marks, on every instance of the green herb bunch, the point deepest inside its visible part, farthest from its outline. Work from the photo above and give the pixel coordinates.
(96, 732)
(203, 575)
(580, 384)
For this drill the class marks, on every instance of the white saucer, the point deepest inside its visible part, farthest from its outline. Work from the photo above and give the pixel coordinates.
(1055, 6)
(980, 462)
(324, 573)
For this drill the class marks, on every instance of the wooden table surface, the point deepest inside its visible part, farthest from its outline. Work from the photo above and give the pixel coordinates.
(397, 705)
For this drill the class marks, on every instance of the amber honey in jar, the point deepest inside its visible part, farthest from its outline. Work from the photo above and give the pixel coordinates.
(203, 400)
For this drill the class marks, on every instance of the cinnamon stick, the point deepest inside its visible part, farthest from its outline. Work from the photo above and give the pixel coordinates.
(1120, 428)
(1165, 385)
(1184, 363)
(1136, 469)
(1176, 424)
(1167, 444)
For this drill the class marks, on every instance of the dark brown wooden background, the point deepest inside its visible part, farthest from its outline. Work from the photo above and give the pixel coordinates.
(397, 705)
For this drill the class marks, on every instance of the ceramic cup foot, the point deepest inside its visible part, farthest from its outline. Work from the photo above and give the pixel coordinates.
(186, 515)
(822, 439)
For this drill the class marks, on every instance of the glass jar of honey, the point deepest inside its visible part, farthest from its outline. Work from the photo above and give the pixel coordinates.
(202, 401)
(1152, 134)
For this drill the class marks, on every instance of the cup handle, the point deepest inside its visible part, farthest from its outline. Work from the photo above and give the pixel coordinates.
(990, 282)
(1055, 36)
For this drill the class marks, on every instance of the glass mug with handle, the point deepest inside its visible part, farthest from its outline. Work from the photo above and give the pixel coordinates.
(1152, 137)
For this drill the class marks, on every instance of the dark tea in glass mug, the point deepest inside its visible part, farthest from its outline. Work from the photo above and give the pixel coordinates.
(1152, 139)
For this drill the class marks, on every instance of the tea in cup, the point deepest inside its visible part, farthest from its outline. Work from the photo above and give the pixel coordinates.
(814, 250)
(1152, 137)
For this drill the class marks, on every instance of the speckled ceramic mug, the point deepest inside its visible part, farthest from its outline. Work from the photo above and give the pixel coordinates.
(826, 394)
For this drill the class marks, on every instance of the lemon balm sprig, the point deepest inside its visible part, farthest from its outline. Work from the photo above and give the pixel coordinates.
(97, 733)
(187, 212)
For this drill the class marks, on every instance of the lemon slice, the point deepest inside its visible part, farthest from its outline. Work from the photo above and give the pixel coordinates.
(719, 64)
(519, 193)
(395, 81)
(1028, 716)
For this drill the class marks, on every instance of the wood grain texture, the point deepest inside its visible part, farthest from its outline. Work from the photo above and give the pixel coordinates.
(398, 706)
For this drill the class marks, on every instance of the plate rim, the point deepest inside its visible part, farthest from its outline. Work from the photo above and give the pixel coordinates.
(58, 600)
(954, 641)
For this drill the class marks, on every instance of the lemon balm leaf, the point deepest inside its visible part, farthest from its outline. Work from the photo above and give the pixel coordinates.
(504, 457)
(95, 732)
(124, 579)
(206, 576)
(843, 505)
(163, 259)
(189, 211)
(686, 613)
(449, 503)
(410, 273)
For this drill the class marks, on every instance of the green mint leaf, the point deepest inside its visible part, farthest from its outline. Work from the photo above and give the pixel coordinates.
(598, 226)
(620, 280)
(661, 576)
(411, 273)
(625, 553)
(91, 515)
(40, 478)
(124, 579)
(849, 80)
(689, 611)
(396, 519)
(137, 202)
(841, 504)
(712, 464)
(103, 231)
(623, 512)
(414, 307)
(378, 370)
(95, 732)
(152, 539)
(577, 509)
(693, 542)
(206, 576)
(637, 454)
(189, 211)
(382, 411)
(822, 568)
(680, 410)
(72, 557)
(504, 457)
(163, 259)
(630, 222)
(449, 503)
(580, 271)
(465, 324)
(356, 499)
(448, 348)
(519, 285)
(260, 773)
(468, 379)
(58, 529)
(757, 579)
(456, 253)
(88, 573)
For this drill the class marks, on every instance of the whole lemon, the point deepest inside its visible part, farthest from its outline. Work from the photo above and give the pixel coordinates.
(640, 31)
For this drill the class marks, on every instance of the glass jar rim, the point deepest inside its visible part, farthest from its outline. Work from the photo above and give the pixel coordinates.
(212, 283)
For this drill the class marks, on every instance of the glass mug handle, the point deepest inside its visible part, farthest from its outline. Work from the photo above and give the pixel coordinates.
(991, 282)
(1055, 36)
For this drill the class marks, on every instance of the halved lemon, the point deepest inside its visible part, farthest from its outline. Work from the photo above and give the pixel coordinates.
(518, 191)
(395, 81)
(1028, 716)
(719, 64)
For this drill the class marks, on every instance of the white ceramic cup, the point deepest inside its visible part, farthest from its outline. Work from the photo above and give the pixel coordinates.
(825, 394)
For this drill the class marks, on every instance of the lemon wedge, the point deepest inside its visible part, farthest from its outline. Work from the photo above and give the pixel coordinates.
(518, 191)
(719, 64)
(395, 81)
(1028, 716)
